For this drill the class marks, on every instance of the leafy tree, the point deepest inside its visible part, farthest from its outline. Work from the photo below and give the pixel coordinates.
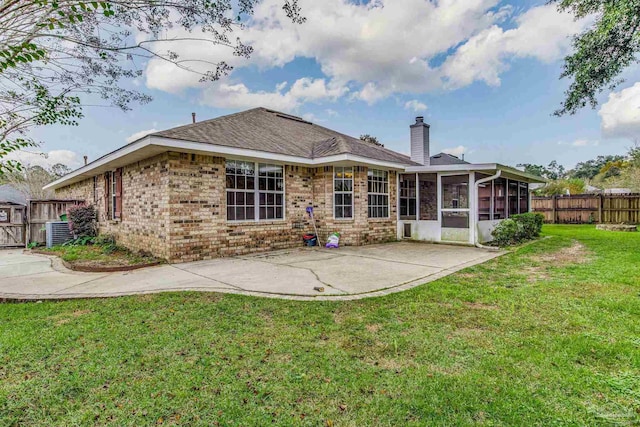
(55, 55)
(591, 168)
(30, 179)
(371, 139)
(602, 51)
(553, 171)
(561, 187)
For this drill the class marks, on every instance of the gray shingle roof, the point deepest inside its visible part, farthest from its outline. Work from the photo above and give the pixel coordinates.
(267, 130)
(446, 159)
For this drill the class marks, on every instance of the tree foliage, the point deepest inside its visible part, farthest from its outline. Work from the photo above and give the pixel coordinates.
(57, 55)
(371, 139)
(601, 52)
(30, 179)
(553, 171)
(591, 168)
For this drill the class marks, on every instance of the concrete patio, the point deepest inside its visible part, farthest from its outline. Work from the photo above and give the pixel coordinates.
(345, 273)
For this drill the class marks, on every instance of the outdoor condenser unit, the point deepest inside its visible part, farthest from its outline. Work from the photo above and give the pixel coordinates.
(57, 233)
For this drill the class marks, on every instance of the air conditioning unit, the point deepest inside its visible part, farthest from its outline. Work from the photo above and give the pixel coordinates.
(57, 233)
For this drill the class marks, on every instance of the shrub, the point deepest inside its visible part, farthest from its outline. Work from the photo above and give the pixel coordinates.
(532, 223)
(517, 229)
(82, 221)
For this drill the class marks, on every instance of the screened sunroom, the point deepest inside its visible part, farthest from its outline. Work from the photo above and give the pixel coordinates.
(459, 203)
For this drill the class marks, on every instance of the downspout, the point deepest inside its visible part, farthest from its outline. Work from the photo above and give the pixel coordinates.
(475, 213)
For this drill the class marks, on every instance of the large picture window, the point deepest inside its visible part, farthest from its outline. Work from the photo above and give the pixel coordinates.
(378, 193)
(243, 191)
(343, 192)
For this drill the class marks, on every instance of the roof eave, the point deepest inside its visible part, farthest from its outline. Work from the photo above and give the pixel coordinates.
(154, 144)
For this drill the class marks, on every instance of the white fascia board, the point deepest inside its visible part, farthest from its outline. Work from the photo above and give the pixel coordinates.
(470, 167)
(464, 167)
(114, 155)
(209, 149)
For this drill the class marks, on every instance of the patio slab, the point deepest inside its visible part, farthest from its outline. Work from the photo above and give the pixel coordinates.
(344, 273)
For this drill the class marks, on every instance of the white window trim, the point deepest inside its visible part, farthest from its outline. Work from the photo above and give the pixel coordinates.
(353, 180)
(388, 194)
(256, 191)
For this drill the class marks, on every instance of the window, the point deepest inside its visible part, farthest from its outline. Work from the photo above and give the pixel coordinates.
(378, 192)
(242, 191)
(513, 198)
(428, 193)
(241, 187)
(455, 201)
(343, 192)
(485, 195)
(499, 202)
(408, 196)
(524, 197)
(271, 190)
(455, 192)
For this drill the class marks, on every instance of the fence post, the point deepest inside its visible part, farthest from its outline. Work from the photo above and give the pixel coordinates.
(554, 201)
(600, 208)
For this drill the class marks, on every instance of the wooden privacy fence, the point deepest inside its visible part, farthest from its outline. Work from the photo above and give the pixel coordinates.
(42, 211)
(589, 208)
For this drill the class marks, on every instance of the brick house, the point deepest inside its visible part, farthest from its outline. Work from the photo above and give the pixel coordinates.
(241, 183)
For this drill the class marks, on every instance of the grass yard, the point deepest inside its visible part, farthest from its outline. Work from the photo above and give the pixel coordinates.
(547, 335)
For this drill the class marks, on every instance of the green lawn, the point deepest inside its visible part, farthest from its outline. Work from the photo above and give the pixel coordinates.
(547, 335)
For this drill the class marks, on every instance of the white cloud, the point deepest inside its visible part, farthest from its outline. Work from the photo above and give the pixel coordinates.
(415, 105)
(456, 151)
(331, 112)
(46, 158)
(542, 33)
(239, 96)
(621, 113)
(580, 143)
(376, 48)
(136, 136)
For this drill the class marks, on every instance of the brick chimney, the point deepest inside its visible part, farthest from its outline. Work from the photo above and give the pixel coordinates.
(420, 142)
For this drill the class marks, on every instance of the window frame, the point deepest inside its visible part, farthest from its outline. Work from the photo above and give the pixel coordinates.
(256, 193)
(445, 211)
(343, 218)
(385, 181)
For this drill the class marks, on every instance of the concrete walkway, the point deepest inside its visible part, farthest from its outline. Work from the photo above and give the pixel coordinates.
(345, 274)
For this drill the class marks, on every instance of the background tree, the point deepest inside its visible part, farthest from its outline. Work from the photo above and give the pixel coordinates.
(371, 139)
(30, 179)
(57, 54)
(601, 52)
(591, 168)
(553, 171)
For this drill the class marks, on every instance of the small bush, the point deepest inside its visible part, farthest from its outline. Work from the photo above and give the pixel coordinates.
(517, 229)
(82, 221)
(105, 239)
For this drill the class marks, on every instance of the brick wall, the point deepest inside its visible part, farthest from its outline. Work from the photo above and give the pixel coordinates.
(145, 214)
(174, 206)
(361, 229)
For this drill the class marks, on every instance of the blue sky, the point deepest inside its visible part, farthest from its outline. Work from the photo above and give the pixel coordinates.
(483, 73)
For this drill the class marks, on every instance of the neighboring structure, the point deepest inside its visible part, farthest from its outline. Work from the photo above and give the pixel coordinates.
(241, 183)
